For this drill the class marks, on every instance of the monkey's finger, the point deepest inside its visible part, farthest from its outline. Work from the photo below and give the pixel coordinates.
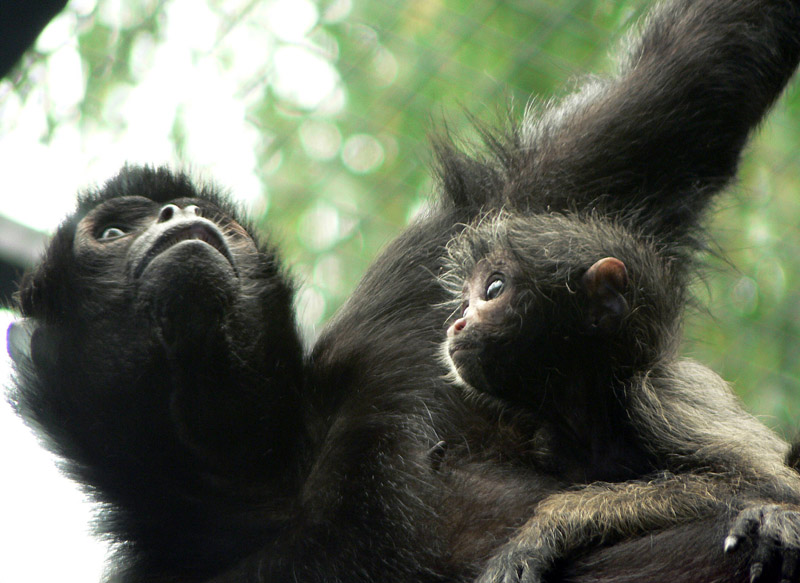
(746, 525)
(790, 569)
(523, 571)
(756, 570)
(763, 555)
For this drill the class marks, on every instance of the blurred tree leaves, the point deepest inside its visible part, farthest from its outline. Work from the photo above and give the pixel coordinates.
(748, 327)
(343, 176)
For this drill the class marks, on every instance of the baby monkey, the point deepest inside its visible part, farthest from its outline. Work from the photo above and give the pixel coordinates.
(570, 325)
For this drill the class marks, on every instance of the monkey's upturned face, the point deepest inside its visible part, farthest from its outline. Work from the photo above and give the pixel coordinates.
(139, 234)
(481, 338)
(178, 264)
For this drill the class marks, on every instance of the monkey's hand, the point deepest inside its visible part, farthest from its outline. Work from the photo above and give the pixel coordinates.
(775, 534)
(518, 562)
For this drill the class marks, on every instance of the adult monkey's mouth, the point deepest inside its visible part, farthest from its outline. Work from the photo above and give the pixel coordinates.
(199, 229)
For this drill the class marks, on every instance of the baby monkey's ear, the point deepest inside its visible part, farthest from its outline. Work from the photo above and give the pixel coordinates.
(604, 283)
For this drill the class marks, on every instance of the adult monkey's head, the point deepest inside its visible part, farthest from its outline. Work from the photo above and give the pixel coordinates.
(157, 302)
(153, 253)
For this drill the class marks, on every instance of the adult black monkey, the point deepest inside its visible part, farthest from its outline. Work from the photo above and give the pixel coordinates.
(159, 355)
(574, 322)
(662, 137)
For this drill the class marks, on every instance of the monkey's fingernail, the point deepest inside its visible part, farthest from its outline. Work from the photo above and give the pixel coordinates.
(731, 542)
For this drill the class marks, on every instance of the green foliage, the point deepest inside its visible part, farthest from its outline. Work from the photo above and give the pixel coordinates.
(749, 327)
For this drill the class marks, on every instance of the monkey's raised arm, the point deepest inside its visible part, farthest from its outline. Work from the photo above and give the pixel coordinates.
(666, 133)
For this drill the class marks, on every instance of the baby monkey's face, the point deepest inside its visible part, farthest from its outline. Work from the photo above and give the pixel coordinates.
(515, 333)
(487, 321)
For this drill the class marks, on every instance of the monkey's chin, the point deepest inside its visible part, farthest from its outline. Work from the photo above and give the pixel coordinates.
(465, 370)
(479, 398)
(187, 291)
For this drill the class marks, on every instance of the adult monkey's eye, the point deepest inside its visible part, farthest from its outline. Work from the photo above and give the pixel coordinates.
(111, 233)
(495, 288)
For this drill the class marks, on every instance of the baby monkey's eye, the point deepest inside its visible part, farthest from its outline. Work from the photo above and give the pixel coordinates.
(111, 233)
(495, 288)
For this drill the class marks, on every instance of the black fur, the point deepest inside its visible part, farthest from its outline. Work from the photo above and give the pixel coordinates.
(573, 322)
(332, 469)
(175, 396)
